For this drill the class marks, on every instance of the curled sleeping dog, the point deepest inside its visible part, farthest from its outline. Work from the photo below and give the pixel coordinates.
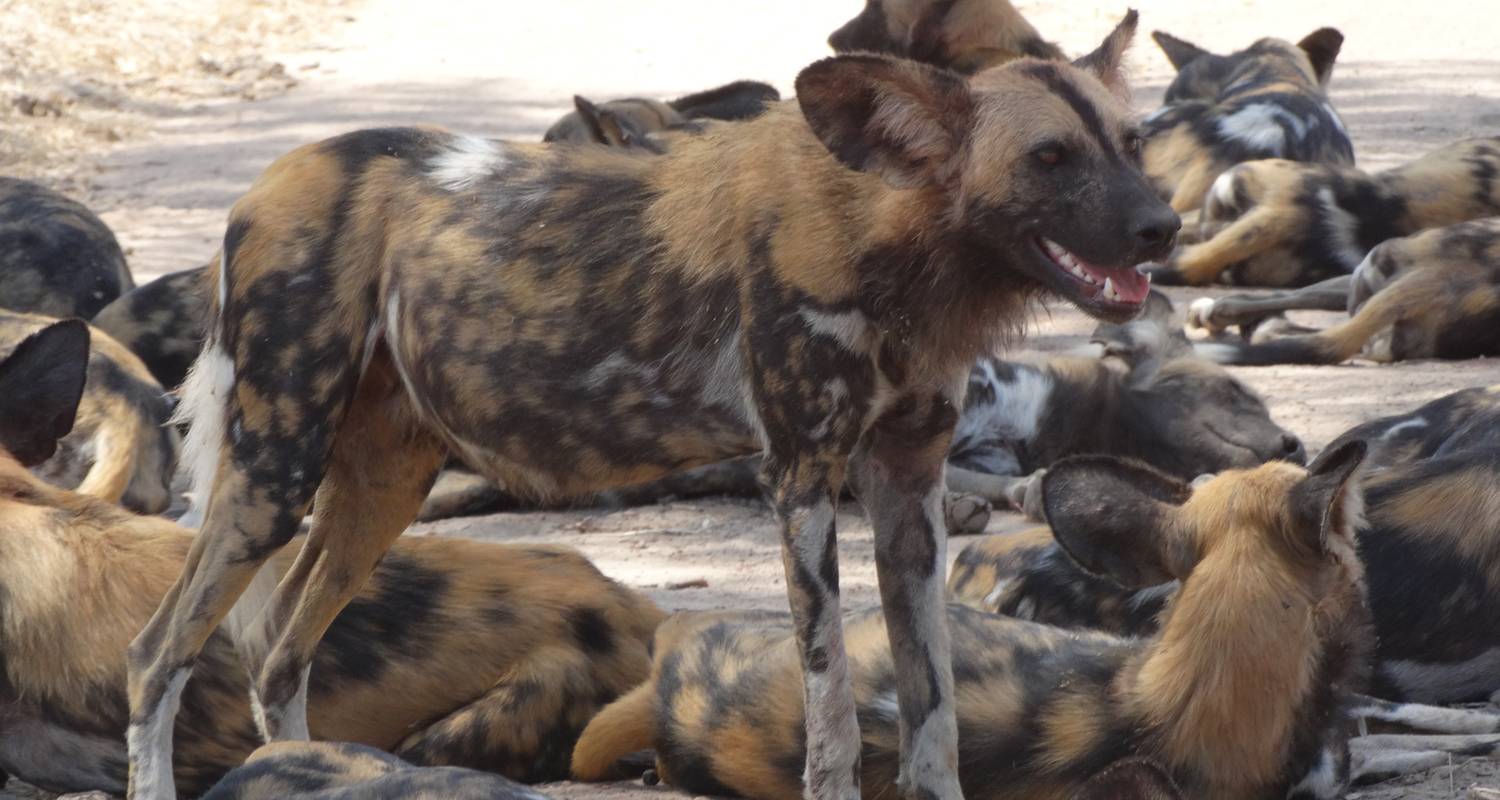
(1240, 694)
(454, 653)
(962, 35)
(121, 449)
(56, 257)
(1281, 223)
(1434, 294)
(636, 121)
(1267, 101)
(1430, 544)
(162, 322)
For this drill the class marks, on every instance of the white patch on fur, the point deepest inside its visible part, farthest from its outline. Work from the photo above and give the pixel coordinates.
(1432, 719)
(1443, 683)
(1222, 192)
(205, 397)
(223, 284)
(249, 605)
(849, 328)
(150, 743)
(1322, 781)
(1258, 125)
(992, 600)
(1341, 228)
(1017, 410)
(1217, 352)
(293, 715)
(1394, 430)
(886, 705)
(725, 385)
(1200, 314)
(1152, 594)
(466, 161)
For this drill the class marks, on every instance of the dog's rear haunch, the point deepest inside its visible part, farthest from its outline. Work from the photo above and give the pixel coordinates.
(814, 283)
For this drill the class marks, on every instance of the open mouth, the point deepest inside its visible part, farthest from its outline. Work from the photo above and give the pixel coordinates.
(1113, 289)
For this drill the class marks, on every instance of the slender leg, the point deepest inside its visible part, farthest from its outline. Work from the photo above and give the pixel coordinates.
(1215, 315)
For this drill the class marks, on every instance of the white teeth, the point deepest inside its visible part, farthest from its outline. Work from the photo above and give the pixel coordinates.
(1068, 261)
(1109, 290)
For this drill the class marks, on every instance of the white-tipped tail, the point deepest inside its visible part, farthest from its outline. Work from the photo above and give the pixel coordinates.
(205, 395)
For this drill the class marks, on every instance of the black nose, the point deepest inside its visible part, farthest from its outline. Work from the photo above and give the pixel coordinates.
(1156, 230)
(1291, 449)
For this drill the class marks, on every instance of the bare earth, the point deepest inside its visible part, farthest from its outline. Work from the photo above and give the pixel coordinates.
(1413, 76)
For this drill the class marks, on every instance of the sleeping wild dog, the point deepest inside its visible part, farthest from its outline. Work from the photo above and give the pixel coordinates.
(632, 121)
(1269, 100)
(121, 449)
(162, 322)
(1238, 696)
(1435, 294)
(1281, 223)
(56, 256)
(962, 35)
(1430, 545)
(814, 283)
(454, 653)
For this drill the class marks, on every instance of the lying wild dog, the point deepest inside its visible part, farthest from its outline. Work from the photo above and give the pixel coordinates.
(454, 653)
(630, 121)
(56, 257)
(162, 322)
(1281, 223)
(1269, 100)
(1239, 696)
(1430, 545)
(1435, 294)
(814, 283)
(342, 771)
(121, 449)
(962, 35)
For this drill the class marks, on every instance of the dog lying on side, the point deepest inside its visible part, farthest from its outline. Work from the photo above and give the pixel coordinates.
(121, 449)
(1269, 100)
(632, 121)
(1435, 294)
(56, 257)
(1280, 223)
(962, 35)
(454, 653)
(1242, 692)
(162, 322)
(342, 771)
(1430, 545)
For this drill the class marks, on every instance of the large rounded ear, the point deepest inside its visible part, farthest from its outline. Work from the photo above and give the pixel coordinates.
(41, 382)
(1107, 62)
(1115, 518)
(904, 121)
(1322, 47)
(1179, 51)
(1131, 779)
(1329, 502)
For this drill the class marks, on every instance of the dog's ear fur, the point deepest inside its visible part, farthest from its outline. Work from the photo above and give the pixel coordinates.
(1116, 520)
(902, 120)
(1329, 502)
(1107, 62)
(1322, 47)
(926, 40)
(41, 382)
(1179, 51)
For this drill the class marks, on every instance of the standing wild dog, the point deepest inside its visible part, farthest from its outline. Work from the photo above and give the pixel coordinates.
(814, 283)
(962, 35)
(122, 448)
(1239, 696)
(1430, 545)
(162, 322)
(1267, 101)
(631, 121)
(454, 652)
(56, 257)
(1281, 223)
(1432, 295)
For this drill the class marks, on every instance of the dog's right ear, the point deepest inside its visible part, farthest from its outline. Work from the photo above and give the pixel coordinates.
(1322, 47)
(1117, 520)
(592, 119)
(902, 120)
(1179, 51)
(41, 382)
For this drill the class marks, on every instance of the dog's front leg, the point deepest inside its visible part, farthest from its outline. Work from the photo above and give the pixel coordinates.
(897, 473)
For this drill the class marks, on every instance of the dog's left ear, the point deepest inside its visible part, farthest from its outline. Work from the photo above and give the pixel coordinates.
(902, 120)
(1322, 47)
(1107, 62)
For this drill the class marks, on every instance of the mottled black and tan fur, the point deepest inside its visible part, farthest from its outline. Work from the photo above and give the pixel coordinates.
(1281, 223)
(814, 283)
(1269, 100)
(56, 257)
(1238, 696)
(343, 771)
(648, 124)
(962, 35)
(162, 322)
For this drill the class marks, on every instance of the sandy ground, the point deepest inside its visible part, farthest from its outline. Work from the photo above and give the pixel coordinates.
(1409, 81)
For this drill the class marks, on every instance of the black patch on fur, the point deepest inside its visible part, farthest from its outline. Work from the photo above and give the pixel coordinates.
(399, 621)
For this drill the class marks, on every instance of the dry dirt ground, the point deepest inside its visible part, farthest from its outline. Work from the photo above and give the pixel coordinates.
(1413, 76)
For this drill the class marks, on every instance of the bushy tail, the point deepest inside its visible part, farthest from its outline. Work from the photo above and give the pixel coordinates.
(624, 727)
(205, 394)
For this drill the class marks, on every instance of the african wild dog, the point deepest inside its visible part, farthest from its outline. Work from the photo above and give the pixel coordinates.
(56, 257)
(962, 35)
(455, 652)
(1239, 696)
(162, 322)
(631, 121)
(1281, 223)
(814, 283)
(328, 771)
(1432, 295)
(121, 449)
(1267, 101)
(1430, 546)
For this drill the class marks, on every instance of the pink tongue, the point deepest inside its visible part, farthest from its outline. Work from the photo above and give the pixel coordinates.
(1132, 286)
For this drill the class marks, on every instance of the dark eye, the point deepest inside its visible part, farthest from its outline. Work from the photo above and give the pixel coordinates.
(1051, 154)
(1133, 143)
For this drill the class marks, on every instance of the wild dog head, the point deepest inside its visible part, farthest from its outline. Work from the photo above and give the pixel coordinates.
(1202, 75)
(962, 35)
(1033, 166)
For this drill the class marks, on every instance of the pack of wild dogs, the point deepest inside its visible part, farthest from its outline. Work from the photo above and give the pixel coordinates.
(802, 299)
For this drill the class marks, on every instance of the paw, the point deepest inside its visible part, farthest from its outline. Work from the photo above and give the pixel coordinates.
(966, 514)
(1200, 315)
(1026, 496)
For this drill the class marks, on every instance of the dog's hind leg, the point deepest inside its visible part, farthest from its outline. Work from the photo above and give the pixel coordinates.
(898, 476)
(1385, 756)
(1425, 718)
(1216, 314)
(1257, 231)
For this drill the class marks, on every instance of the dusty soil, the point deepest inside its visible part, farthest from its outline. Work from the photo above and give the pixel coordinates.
(1409, 80)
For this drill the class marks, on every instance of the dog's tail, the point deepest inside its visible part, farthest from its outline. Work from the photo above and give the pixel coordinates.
(623, 728)
(205, 395)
